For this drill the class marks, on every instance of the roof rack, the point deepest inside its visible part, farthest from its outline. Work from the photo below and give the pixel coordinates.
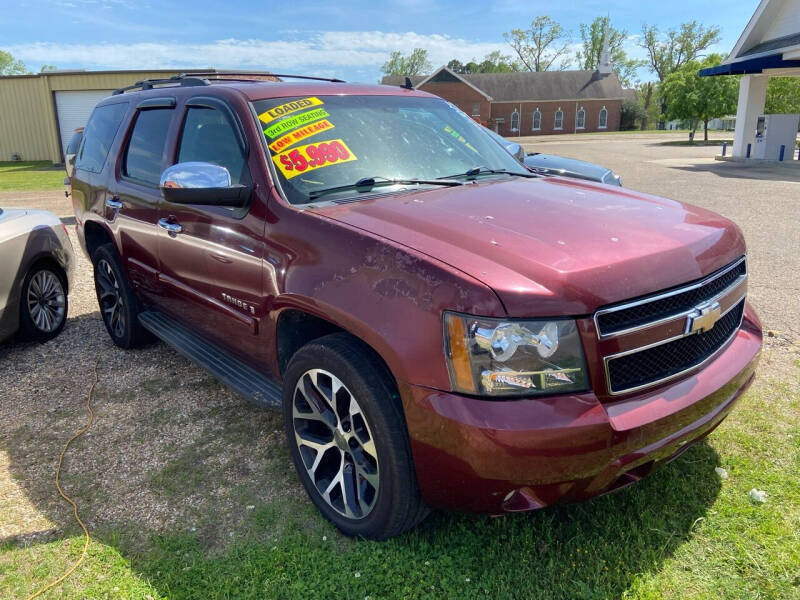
(200, 78)
(181, 79)
(228, 74)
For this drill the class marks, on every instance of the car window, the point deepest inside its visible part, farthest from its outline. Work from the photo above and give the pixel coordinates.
(99, 135)
(319, 142)
(208, 136)
(143, 156)
(74, 142)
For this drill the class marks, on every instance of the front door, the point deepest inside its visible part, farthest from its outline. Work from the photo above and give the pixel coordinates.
(210, 256)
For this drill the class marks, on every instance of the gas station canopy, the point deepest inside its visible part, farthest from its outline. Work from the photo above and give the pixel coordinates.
(768, 47)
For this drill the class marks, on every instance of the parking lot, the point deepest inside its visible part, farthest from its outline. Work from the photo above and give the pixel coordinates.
(174, 452)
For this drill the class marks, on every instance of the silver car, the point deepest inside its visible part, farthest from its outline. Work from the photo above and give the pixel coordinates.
(550, 164)
(35, 273)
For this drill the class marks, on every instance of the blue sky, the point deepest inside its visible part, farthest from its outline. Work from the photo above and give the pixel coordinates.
(350, 40)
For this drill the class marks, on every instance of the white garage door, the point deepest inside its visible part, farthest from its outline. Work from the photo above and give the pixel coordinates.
(74, 108)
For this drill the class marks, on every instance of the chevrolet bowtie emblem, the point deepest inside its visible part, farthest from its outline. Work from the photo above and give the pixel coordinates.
(703, 318)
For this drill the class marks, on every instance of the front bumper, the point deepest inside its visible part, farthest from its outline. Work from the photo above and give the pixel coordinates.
(478, 455)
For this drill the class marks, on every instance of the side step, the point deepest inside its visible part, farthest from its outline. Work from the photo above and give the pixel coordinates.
(230, 370)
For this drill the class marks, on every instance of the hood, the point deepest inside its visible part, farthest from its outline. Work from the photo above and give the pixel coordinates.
(553, 246)
(14, 221)
(8, 214)
(566, 166)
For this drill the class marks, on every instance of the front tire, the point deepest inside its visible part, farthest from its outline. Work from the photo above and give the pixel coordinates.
(119, 307)
(44, 304)
(348, 439)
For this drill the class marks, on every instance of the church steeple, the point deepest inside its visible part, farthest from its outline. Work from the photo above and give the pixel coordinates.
(605, 65)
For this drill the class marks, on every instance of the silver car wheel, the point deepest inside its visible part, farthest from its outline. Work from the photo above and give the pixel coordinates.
(335, 443)
(46, 301)
(110, 297)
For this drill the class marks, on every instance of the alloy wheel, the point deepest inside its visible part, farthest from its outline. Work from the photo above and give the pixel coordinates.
(46, 301)
(110, 298)
(335, 443)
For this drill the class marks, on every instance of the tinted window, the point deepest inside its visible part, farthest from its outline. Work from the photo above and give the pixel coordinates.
(74, 142)
(208, 136)
(98, 136)
(146, 146)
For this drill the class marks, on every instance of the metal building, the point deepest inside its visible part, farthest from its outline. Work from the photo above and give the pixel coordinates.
(38, 113)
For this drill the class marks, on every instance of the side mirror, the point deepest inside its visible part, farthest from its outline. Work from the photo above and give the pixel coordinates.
(201, 183)
(69, 166)
(516, 150)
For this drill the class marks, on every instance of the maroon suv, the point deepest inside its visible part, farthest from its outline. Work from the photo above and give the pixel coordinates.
(440, 326)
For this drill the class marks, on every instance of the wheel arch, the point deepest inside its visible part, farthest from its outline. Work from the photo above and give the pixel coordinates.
(95, 235)
(298, 326)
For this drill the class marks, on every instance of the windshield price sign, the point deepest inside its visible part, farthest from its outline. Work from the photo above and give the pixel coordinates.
(312, 156)
(277, 112)
(291, 138)
(290, 123)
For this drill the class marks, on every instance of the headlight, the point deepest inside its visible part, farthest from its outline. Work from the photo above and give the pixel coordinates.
(499, 357)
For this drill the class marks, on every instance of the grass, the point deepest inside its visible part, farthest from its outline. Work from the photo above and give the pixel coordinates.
(35, 175)
(697, 142)
(682, 533)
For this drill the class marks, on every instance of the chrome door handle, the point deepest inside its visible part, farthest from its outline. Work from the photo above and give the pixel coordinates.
(172, 228)
(113, 203)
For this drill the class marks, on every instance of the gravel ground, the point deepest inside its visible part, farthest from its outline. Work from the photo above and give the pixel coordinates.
(170, 448)
(174, 450)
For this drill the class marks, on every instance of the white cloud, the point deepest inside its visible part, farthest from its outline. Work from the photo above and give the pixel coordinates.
(330, 49)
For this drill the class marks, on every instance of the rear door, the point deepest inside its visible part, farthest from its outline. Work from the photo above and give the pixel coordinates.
(132, 207)
(211, 270)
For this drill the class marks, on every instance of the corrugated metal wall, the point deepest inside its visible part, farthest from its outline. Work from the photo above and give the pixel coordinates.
(27, 109)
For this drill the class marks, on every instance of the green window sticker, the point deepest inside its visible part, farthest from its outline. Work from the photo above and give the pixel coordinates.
(285, 125)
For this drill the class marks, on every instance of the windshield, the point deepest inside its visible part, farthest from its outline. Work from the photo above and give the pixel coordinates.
(321, 142)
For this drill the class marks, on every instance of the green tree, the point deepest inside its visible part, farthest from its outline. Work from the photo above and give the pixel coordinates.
(696, 98)
(11, 66)
(647, 93)
(593, 37)
(494, 62)
(631, 112)
(668, 52)
(783, 95)
(47, 68)
(456, 66)
(543, 47)
(497, 62)
(416, 63)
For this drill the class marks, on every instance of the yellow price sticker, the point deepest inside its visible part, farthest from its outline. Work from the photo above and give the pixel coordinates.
(310, 157)
(282, 110)
(298, 135)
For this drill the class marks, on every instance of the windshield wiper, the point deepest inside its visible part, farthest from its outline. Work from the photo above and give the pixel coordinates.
(476, 171)
(367, 183)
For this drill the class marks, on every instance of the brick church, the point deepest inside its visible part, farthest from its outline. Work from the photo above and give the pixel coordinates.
(524, 104)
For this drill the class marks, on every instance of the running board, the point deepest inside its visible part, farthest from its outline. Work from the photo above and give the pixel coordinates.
(234, 373)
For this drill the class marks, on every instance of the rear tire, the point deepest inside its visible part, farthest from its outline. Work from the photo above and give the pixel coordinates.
(44, 304)
(348, 439)
(119, 306)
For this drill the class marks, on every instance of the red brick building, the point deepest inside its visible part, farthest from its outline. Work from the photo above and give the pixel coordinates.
(522, 104)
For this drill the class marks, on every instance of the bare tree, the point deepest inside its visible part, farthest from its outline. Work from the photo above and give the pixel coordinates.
(543, 47)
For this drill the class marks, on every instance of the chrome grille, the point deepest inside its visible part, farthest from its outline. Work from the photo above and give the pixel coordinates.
(662, 336)
(632, 315)
(664, 361)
